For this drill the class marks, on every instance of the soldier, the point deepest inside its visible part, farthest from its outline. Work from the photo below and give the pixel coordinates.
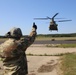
(13, 50)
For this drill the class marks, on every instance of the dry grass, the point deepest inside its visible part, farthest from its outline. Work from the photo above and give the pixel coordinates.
(69, 64)
(56, 38)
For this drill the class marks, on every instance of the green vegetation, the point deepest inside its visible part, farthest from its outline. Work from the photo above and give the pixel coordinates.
(56, 37)
(71, 36)
(67, 45)
(69, 64)
(62, 45)
(60, 54)
(3, 39)
(48, 38)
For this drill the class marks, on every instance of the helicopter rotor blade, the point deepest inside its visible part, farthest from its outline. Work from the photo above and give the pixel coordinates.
(63, 20)
(55, 15)
(59, 18)
(48, 17)
(43, 18)
(40, 18)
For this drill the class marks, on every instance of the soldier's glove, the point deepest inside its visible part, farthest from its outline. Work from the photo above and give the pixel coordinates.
(34, 25)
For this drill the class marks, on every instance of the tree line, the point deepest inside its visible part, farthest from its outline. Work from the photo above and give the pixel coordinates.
(57, 35)
(51, 35)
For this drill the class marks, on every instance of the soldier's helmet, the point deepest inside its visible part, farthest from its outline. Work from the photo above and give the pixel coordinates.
(14, 33)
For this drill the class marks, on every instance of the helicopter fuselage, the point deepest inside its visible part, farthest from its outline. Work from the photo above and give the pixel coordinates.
(53, 26)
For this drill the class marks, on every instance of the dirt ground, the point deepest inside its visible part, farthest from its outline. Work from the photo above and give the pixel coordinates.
(44, 65)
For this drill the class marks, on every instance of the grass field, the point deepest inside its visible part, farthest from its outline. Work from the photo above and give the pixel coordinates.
(3, 39)
(69, 64)
(52, 38)
(62, 45)
(56, 38)
(48, 38)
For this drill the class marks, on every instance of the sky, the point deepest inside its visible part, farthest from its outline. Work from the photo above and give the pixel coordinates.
(21, 13)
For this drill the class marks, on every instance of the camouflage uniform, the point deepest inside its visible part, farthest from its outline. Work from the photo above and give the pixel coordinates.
(13, 55)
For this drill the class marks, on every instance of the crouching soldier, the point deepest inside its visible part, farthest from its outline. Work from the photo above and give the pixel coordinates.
(12, 51)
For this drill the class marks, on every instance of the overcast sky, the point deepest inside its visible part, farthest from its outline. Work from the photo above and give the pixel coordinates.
(21, 13)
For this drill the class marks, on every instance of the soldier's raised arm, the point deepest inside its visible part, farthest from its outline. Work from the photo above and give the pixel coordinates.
(33, 33)
(27, 41)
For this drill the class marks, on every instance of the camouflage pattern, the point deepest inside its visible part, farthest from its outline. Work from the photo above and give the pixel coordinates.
(14, 32)
(13, 55)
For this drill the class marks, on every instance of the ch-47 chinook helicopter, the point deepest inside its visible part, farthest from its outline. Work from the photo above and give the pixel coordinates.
(53, 25)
